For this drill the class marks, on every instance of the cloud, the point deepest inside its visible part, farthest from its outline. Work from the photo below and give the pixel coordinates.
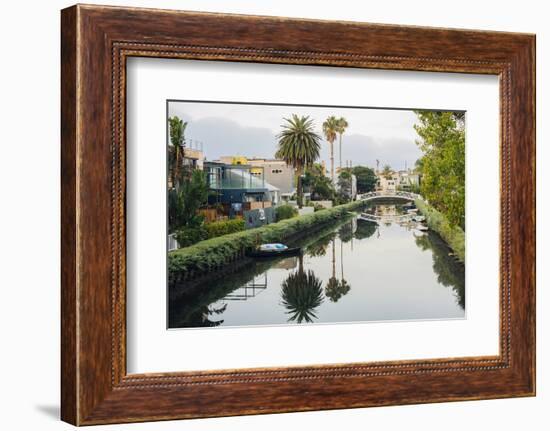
(224, 137)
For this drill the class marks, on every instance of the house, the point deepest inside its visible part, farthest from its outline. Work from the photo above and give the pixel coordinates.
(274, 171)
(241, 193)
(408, 180)
(388, 183)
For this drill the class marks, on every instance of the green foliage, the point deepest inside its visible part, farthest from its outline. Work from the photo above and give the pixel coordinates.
(344, 186)
(450, 273)
(214, 253)
(187, 236)
(366, 179)
(335, 289)
(175, 150)
(442, 140)
(301, 294)
(318, 184)
(387, 172)
(185, 200)
(224, 227)
(298, 146)
(452, 234)
(283, 212)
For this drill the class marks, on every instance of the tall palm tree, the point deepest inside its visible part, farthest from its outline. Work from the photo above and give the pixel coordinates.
(387, 172)
(330, 129)
(342, 126)
(176, 149)
(299, 146)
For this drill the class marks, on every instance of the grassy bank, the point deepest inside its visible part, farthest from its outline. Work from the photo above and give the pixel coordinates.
(453, 235)
(216, 252)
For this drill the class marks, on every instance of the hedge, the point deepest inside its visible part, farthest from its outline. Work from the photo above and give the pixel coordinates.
(283, 212)
(224, 227)
(215, 253)
(453, 235)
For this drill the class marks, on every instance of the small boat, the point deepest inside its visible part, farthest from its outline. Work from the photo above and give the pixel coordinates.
(412, 211)
(422, 228)
(419, 218)
(274, 250)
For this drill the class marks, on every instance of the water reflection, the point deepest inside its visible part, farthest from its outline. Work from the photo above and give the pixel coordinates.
(349, 271)
(301, 294)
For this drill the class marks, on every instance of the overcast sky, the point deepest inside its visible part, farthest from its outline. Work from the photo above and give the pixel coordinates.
(251, 130)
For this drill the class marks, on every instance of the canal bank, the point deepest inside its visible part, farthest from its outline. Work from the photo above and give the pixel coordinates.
(215, 253)
(346, 273)
(452, 235)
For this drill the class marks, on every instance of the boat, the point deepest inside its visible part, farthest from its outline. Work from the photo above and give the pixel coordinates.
(422, 228)
(273, 250)
(419, 218)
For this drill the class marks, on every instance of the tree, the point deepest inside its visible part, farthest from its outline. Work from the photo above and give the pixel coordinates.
(442, 140)
(317, 183)
(345, 186)
(176, 149)
(366, 179)
(184, 201)
(342, 126)
(387, 172)
(299, 146)
(330, 129)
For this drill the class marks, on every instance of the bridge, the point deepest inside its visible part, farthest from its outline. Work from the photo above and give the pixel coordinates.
(408, 196)
(397, 218)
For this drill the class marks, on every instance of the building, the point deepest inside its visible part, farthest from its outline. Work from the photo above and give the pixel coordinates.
(409, 180)
(242, 193)
(274, 171)
(193, 157)
(387, 184)
(402, 180)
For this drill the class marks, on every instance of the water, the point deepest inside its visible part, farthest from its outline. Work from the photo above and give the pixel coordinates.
(352, 271)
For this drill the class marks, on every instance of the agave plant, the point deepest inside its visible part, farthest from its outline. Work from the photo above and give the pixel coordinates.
(302, 293)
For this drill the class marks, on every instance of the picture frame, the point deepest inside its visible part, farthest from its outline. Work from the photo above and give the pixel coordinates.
(96, 41)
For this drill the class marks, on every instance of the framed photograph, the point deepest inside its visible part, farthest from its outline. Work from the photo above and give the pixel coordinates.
(322, 214)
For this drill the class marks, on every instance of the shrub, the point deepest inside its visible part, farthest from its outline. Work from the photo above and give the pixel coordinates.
(216, 252)
(224, 227)
(453, 235)
(283, 212)
(187, 236)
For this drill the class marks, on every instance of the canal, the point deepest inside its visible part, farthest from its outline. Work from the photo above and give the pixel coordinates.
(351, 271)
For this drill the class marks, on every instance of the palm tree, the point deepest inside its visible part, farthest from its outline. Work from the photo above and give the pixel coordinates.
(298, 146)
(176, 149)
(342, 126)
(302, 293)
(387, 172)
(330, 129)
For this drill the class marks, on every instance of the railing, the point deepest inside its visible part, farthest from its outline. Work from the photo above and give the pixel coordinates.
(388, 194)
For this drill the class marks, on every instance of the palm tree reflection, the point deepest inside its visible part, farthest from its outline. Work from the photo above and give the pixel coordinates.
(201, 317)
(302, 293)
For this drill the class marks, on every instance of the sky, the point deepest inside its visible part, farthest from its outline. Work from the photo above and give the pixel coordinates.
(251, 130)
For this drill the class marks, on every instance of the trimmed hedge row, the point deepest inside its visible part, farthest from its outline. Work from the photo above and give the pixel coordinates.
(214, 253)
(223, 227)
(453, 235)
